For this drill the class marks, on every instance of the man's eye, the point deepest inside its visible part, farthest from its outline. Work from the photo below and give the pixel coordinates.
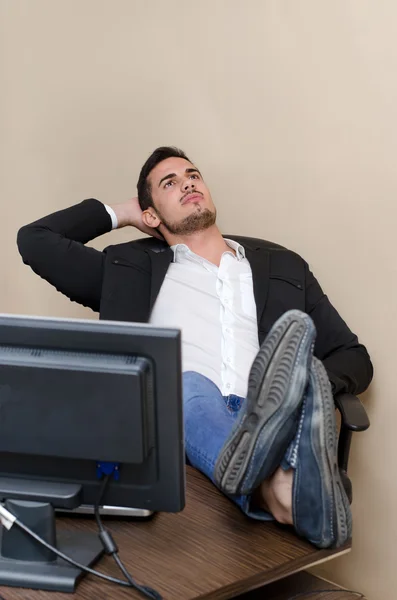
(168, 183)
(194, 176)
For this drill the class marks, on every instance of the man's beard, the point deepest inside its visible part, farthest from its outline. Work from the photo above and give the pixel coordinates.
(197, 221)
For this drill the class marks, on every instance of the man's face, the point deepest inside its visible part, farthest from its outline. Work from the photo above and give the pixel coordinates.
(182, 201)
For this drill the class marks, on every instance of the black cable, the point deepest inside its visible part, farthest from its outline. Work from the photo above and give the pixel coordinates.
(111, 547)
(99, 501)
(325, 591)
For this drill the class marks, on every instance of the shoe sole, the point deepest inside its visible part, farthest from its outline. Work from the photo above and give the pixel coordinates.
(342, 519)
(269, 401)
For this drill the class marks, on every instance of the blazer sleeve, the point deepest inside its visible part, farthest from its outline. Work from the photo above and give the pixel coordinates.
(54, 248)
(347, 361)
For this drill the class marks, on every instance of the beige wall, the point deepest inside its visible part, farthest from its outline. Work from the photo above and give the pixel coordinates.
(288, 107)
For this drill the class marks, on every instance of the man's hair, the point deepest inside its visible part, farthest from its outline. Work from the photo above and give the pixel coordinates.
(143, 185)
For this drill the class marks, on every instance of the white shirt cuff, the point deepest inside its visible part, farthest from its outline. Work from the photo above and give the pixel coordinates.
(112, 215)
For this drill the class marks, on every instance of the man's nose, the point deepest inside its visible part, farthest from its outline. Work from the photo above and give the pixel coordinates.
(188, 184)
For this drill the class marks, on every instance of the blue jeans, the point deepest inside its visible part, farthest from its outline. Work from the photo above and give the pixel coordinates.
(209, 418)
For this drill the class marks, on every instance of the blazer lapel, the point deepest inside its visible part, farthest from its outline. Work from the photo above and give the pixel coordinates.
(160, 263)
(259, 259)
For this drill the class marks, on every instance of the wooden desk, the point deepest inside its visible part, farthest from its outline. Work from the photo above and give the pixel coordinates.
(296, 584)
(208, 551)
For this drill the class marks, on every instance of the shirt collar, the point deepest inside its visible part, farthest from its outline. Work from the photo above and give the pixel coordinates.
(180, 249)
(238, 248)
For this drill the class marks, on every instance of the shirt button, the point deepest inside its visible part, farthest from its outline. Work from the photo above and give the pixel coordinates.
(228, 386)
(229, 360)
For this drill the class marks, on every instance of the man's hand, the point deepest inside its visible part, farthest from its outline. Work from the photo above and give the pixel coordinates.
(130, 214)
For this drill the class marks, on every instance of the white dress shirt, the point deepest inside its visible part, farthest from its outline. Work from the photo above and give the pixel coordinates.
(215, 309)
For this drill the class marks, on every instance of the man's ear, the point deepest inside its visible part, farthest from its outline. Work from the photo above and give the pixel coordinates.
(150, 218)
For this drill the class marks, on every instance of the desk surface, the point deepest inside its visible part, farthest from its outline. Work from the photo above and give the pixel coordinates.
(208, 551)
(299, 583)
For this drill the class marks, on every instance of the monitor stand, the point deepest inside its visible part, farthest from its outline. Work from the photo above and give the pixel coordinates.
(26, 563)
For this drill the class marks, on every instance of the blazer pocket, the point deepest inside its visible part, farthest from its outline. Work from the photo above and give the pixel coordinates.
(122, 262)
(295, 282)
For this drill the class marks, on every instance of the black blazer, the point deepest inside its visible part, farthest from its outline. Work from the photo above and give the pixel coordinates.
(123, 281)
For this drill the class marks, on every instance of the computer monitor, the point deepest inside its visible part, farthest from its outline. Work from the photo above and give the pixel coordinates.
(80, 398)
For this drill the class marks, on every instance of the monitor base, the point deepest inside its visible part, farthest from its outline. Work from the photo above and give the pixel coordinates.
(56, 576)
(26, 563)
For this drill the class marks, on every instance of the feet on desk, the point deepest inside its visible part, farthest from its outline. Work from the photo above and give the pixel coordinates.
(306, 491)
(320, 507)
(268, 421)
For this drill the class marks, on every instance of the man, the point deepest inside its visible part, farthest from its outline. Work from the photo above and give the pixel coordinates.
(263, 349)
